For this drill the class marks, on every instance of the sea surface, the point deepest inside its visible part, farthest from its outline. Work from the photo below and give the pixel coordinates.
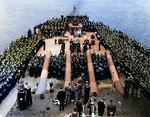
(129, 16)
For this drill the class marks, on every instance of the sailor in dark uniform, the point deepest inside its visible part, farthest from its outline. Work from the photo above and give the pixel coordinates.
(28, 95)
(101, 107)
(40, 66)
(128, 82)
(55, 41)
(23, 69)
(29, 68)
(29, 33)
(79, 107)
(68, 93)
(84, 47)
(78, 48)
(86, 92)
(71, 41)
(111, 108)
(51, 87)
(21, 99)
(100, 43)
(61, 97)
(35, 68)
(72, 49)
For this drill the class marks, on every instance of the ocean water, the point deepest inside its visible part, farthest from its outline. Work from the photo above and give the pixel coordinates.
(129, 16)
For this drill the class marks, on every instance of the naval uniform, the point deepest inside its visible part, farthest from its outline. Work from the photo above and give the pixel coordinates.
(28, 96)
(61, 97)
(101, 108)
(86, 93)
(21, 99)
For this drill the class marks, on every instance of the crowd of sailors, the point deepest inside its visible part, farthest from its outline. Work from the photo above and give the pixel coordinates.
(13, 61)
(35, 66)
(75, 46)
(79, 92)
(54, 27)
(78, 66)
(8, 79)
(132, 86)
(58, 26)
(100, 65)
(56, 68)
(127, 49)
(128, 55)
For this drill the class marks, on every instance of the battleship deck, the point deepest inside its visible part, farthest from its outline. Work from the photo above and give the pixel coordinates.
(130, 106)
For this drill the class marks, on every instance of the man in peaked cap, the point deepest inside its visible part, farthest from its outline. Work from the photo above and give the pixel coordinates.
(101, 107)
(21, 99)
(136, 86)
(61, 97)
(68, 90)
(79, 106)
(28, 94)
(86, 92)
(111, 108)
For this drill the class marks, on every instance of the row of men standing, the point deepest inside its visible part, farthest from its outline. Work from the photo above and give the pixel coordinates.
(88, 100)
(72, 92)
(135, 83)
(75, 46)
(111, 108)
(24, 97)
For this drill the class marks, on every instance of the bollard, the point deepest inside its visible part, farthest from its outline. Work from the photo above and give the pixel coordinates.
(116, 81)
(91, 74)
(43, 78)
